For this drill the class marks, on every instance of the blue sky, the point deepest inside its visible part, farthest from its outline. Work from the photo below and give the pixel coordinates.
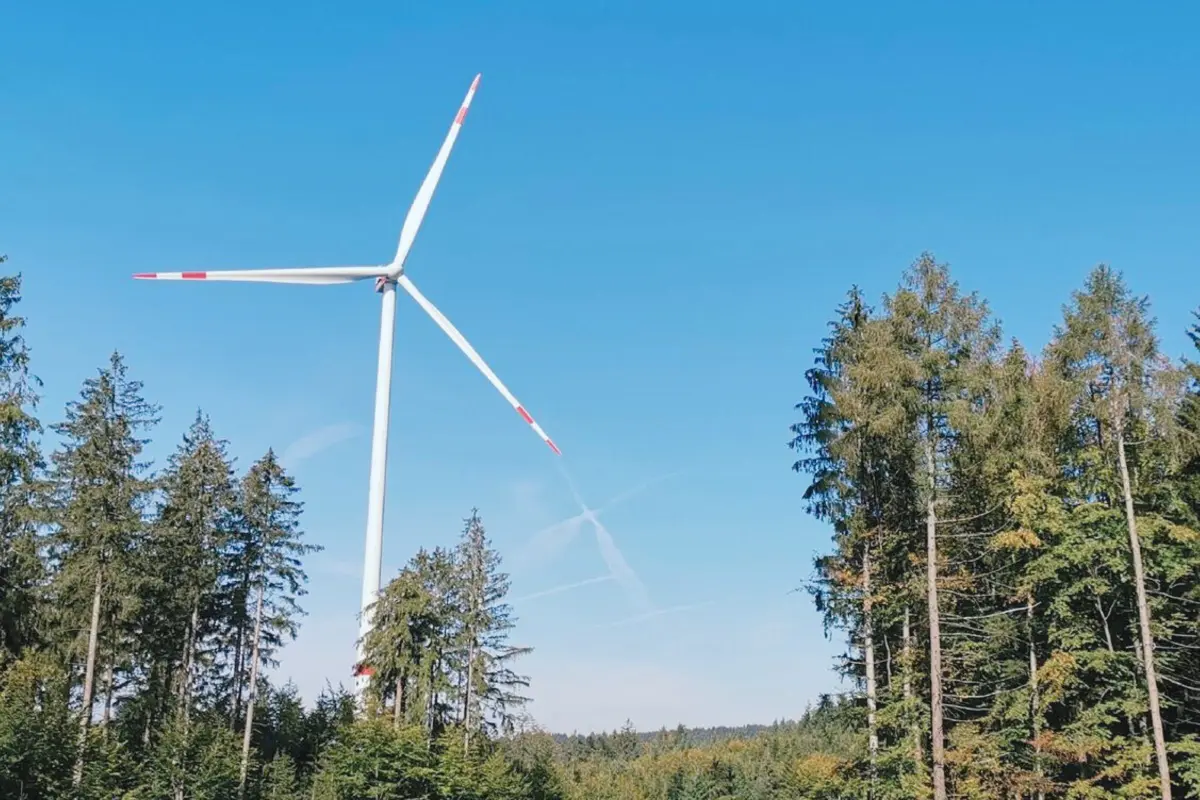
(646, 222)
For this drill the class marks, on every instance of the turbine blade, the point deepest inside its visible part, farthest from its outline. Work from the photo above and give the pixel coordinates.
(420, 204)
(317, 276)
(465, 346)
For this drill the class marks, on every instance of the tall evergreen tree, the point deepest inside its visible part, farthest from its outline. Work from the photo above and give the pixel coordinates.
(848, 464)
(21, 570)
(944, 343)
(490, 688)
(1107, 348)
(100, 488)
(195, 527)
(271, 570)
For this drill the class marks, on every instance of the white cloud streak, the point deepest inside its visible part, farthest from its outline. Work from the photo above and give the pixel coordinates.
(316, 442)
(617, 565)
(566, 587)
(553, 539)
(655, 613)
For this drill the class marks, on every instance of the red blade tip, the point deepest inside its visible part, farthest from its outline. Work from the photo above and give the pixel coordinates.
(554, 447)
(144, 275)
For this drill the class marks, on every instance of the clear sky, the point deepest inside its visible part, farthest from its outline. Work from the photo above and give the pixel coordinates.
(648, 218)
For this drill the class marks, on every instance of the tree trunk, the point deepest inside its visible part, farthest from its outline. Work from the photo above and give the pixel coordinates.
(907, 656)
(906, 653)
(252, 692)
(239, 648)
(397, 711)
(935, 633)
(151, 690)
(431, 699)
(89, 675)
(108, 695)
(467, 697)
(869, 657)
(189, 657)
(1139, 583)
(1035, 726)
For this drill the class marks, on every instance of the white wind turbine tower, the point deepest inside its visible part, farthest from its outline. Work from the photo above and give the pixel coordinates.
(386, 278)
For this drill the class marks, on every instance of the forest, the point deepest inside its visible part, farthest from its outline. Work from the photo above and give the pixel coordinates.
(1014, 569)
(1016, 557)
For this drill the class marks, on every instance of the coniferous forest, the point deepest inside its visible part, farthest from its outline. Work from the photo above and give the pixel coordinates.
(1014, 569)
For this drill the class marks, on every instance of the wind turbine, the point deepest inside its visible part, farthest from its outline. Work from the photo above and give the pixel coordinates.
(387, 277)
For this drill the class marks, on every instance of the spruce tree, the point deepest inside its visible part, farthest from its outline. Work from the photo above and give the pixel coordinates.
(490, 688)
(1107, 348)
(21, 571)
(943, 345)
(193, 530)
(404, 627)
(270, 549)
(846, 464)
(99, 489)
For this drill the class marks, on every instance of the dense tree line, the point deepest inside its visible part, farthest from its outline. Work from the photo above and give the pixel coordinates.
(141, 610)
(1015, 566)
(1016, 556)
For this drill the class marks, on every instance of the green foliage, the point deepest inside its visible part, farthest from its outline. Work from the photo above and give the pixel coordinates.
(914, 413)
(439, 646)
(138, 611)
(21, 570)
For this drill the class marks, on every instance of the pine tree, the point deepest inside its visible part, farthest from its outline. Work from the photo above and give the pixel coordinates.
(271, 548)
(99, 493)
(20, 460)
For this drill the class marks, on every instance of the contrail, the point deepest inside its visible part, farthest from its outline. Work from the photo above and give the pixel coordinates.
(636, 490)
(617, 565)
(564, 588)
(656, 613)
(552, 539)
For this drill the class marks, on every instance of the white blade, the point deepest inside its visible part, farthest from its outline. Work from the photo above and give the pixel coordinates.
(465, 346)
(420, 204)
(304, 275)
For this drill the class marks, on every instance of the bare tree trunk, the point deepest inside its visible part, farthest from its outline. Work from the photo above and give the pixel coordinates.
(1139, 583)
(89, 675)
(252, 692)
(189, 657)
(906, 653)
(887, 663)
(907, 656)
(151, 691)
(108, 696)
(935, 633)
(869, 657)
(235, 704)
(1108, 640)
(467, 696)
(398, 703)
(431, 697)
(1035, 703)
